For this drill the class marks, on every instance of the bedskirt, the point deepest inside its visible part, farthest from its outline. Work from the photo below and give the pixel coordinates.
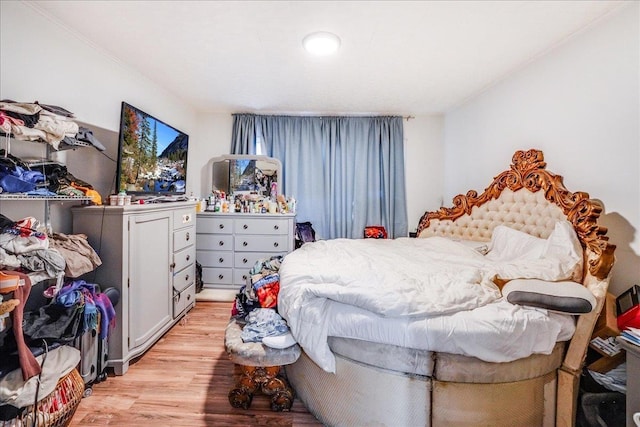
(359, 395)
(460, 391)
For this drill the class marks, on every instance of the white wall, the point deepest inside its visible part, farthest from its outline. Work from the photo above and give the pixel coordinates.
(42, 61)
(424, 166)
(580, 105)
(214, 139)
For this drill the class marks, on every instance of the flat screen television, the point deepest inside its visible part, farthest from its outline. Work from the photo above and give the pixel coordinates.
(152, 156)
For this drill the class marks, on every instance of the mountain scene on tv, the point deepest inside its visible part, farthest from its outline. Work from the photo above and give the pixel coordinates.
(153, 155)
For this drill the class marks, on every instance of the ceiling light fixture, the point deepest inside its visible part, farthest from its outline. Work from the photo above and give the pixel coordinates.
(321, 43)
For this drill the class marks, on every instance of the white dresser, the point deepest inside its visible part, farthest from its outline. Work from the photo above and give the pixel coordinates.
(229, 244)
(148, 254)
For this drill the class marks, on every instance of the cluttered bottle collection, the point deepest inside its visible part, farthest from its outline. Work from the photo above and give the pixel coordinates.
(247, 202)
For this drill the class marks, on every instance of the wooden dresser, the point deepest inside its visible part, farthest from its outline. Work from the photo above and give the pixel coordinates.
(229, 244)
(147, 253)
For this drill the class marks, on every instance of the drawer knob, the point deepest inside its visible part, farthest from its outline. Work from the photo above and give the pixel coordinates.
(188, 297)
(172, 265)
(244, 243)
(244, 277)
(221, 243)
(188, 237)
(221, 226)
(186, 278)
(245, 226)
(275, 245)
(220, 260)
(220, 276)
(244, 260)
(276, 227)
(188, 257)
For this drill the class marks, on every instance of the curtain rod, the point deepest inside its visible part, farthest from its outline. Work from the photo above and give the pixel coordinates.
(407, 118)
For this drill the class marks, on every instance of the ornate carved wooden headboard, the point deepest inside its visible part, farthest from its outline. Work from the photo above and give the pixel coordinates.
(474, 216)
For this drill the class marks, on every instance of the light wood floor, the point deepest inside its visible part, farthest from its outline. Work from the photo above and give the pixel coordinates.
(183, 380)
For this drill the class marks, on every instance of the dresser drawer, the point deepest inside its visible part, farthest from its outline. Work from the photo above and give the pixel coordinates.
(248, 259)
(240, 276)
(215, 258)
(215, 242)
(183, 300)
(183, 238)
(253, 243)
(183, 258)
(207, 224)
(261, 226)
(184, 218)
(184, 277)
(220, 276)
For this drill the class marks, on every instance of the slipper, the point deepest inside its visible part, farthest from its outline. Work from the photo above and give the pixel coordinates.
(279, 341)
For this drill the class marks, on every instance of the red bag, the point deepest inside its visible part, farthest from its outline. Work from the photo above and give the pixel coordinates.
(375, 232)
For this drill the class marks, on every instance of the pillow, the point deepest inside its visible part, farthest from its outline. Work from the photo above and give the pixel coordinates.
(563, 244)
(508, 244)
(562, 297)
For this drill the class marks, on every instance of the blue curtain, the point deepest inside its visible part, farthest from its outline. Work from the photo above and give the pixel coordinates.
(345, 172)
(243, 135)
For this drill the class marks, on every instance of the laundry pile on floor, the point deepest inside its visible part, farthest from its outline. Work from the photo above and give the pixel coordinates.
(256, 306)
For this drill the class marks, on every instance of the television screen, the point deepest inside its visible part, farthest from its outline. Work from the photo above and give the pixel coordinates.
(152, 156)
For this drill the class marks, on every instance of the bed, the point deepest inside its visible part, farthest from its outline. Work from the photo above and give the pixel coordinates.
(492, 330)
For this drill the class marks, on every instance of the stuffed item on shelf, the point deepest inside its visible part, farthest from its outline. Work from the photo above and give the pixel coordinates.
(8, 306)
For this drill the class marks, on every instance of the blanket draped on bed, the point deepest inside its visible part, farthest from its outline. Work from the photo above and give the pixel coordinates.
(414, 278)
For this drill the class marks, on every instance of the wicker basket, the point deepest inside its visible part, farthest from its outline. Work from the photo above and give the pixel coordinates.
(56, 409)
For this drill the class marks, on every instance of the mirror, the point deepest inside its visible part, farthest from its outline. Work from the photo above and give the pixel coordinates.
(245, 174)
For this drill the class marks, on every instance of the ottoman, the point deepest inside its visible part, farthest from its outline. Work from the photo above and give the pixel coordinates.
(261, 370)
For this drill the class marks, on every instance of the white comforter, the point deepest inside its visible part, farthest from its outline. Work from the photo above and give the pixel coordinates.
(402, 282)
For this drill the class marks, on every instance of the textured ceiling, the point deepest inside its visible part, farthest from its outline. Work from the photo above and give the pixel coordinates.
(396, 57)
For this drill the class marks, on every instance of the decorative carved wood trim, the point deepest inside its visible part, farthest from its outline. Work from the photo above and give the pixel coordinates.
(528, 171)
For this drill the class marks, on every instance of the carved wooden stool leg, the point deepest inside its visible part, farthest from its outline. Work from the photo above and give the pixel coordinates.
(265, 379)
(282, 400)
(242, 395)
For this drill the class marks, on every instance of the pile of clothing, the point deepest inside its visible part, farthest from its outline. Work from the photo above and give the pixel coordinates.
(46, 123)
(262, 291)
(41, 178)
(77, 308)
(25, 246)
(52, 125)
(40, 336)
(256, 306)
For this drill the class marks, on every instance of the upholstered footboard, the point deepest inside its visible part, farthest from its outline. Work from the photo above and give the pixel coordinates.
(361, 395)
(459, 390)
(471, 392)
(521, 403)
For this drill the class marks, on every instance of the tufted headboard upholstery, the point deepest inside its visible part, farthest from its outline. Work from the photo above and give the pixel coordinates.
(522, 210)
(529, 198)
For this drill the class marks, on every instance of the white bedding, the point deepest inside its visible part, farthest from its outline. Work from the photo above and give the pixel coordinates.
(431, 294)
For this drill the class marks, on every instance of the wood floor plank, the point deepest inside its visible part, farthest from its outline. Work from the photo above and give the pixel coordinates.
(183, 380)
